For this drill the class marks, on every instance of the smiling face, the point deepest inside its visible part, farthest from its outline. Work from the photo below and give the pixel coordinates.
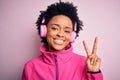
(59, 30)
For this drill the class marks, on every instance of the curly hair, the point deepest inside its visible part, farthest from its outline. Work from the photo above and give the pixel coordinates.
(61, 8)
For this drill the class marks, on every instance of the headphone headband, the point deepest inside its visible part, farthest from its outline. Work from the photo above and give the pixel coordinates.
(75, 26)
(43, 20)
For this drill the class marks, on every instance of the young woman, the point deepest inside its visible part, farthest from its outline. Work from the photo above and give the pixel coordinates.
(58, 26)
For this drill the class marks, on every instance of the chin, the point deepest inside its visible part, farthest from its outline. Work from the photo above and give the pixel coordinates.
(59, 48)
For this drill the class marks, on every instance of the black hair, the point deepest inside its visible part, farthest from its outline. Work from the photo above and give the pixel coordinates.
(61, 8)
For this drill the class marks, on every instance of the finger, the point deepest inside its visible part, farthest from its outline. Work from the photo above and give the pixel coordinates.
(95, 46)
(92, 59)
(86, 48)
(98, 60)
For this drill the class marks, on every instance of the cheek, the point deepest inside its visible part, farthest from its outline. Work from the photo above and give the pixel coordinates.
(50, 33)
(50, 36)
(68, 36)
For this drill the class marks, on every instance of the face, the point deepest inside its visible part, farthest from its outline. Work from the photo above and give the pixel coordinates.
(59, 30)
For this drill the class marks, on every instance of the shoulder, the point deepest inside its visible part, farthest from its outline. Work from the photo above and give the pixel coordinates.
(33, 61)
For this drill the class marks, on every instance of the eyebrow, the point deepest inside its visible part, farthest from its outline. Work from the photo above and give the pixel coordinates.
(68, 27)
(55, 24)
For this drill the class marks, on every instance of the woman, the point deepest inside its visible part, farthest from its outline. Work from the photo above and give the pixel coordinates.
(58, 26)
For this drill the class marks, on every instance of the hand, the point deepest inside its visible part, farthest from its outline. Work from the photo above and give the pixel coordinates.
(93, 61)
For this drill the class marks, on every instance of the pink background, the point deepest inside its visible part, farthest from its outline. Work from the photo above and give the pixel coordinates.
(19, 41)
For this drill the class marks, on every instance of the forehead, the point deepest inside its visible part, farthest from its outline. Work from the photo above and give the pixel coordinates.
(61, 20)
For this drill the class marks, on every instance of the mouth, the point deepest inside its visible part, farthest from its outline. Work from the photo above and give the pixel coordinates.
(59, 41)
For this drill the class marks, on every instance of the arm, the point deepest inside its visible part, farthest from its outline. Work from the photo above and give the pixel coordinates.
(93, 62)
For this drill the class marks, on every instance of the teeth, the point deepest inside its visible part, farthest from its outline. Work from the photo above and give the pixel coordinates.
(58, 41)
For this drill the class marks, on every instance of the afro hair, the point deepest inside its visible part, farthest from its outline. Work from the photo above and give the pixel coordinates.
(61, 8)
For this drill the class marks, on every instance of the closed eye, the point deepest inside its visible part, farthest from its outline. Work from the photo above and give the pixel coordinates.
(67, 31)
(54, 28)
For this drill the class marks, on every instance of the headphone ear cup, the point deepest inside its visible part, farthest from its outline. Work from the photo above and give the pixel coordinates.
(43, 30)
(73, 35)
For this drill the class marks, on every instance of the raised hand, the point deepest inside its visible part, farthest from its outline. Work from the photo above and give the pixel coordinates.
(93, 61)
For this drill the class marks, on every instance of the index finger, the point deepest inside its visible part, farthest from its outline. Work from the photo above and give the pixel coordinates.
(95, 46)
(86, 48)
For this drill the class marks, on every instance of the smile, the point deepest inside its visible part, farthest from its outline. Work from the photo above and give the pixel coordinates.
(58, 41)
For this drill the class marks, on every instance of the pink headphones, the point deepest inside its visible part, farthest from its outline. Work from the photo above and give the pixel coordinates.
(43, 31)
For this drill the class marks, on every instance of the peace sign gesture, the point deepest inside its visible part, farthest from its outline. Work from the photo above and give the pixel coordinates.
(93, 61)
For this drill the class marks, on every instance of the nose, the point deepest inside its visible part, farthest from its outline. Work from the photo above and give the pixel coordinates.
(60, 33)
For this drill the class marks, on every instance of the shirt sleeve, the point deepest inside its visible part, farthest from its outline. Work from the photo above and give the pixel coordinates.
(95, 76)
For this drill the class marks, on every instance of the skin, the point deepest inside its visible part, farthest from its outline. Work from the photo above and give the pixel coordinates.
(93, 61)
(59, 32)
(58, 36)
